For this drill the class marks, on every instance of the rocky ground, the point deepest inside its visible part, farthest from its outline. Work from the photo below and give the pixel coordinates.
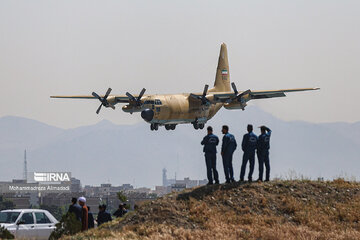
(273, 210)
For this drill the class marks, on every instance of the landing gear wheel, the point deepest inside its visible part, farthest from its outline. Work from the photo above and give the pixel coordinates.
(168, 127)
(201, 125)
(156, 126)
(196, 126)
(151, 127)
(173, 127)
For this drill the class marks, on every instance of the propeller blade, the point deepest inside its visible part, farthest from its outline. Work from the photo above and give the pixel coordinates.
(234, 88)
(99, 108)
(205, 90)
(107, 93)
(141, 94)
(131, 97)
(97, 96)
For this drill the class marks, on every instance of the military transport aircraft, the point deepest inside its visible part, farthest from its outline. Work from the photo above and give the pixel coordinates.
(196, 108)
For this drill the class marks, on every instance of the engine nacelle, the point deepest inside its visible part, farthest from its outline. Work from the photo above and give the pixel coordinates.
(235, 105)
(131, 108)
(111, 100)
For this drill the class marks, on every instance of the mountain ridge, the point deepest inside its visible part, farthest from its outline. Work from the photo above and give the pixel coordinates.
(134, 154)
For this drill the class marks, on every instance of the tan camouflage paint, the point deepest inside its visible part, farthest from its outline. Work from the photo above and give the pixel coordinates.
(181, 108)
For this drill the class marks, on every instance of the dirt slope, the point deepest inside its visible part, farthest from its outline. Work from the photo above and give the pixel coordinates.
(274, 210)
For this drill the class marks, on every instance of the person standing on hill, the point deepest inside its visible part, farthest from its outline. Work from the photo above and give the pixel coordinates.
(227, 150)
(249, 145)
(90, 218)
(75, 209)
(210, 142)
(263, 152)
(121, 211)
(84, 214)
(103, 215)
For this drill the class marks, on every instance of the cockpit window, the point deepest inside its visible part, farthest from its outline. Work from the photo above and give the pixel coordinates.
(149, 102)
(157, 102)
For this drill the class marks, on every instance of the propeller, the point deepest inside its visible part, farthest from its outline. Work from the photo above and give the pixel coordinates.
(203, 98)
(239, 96)
(138, 99)
(103, 100)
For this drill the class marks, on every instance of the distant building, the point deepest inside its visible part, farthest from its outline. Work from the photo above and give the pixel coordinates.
(75, 185)
(106, 189)
(20, 201)
(19, 181)
(164, 178)
(161, 190)
(167, 182)
(170, 185)
(178, 187)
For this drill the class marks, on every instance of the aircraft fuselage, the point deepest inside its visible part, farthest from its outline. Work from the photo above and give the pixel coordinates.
(175, 109)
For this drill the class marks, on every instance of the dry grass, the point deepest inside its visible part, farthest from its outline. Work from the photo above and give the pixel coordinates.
(267, 211)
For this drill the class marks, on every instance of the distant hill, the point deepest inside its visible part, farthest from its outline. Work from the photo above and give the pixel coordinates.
(274, 210)
(133, 154)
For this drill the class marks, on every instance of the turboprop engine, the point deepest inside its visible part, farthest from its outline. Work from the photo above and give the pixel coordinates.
(235, 105)
(239, 102)
(106, 101)
(136, 104)
(130, 108)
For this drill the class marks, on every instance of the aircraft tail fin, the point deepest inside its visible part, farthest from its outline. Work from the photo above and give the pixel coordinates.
(222, 79)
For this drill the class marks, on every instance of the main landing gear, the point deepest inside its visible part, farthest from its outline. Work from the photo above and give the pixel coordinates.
(198, 125)
(154, 126)
(170, 126)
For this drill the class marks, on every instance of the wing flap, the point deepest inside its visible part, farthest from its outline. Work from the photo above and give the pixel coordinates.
(224, 97)
(267, 95)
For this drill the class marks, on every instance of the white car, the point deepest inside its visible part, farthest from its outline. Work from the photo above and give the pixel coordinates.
(28, 223)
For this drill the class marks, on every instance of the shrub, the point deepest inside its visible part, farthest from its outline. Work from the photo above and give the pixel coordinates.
(121, 196)
(68, 225)
(6, 204)
(5, 234)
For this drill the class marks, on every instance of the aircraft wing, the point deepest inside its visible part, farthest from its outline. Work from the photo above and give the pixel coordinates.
(249, 95)
(117, 98)
(277, 93)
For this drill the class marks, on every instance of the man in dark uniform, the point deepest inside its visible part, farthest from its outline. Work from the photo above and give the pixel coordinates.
(75, 209)
(263, 152)
(249, 145)
(103, 215)
(121, 211)
(210, 142)
(227, 149)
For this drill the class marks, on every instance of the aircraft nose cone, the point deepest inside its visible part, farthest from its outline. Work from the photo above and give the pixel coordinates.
(147, 115)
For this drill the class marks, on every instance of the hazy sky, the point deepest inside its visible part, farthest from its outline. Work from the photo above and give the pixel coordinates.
(76, 47)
